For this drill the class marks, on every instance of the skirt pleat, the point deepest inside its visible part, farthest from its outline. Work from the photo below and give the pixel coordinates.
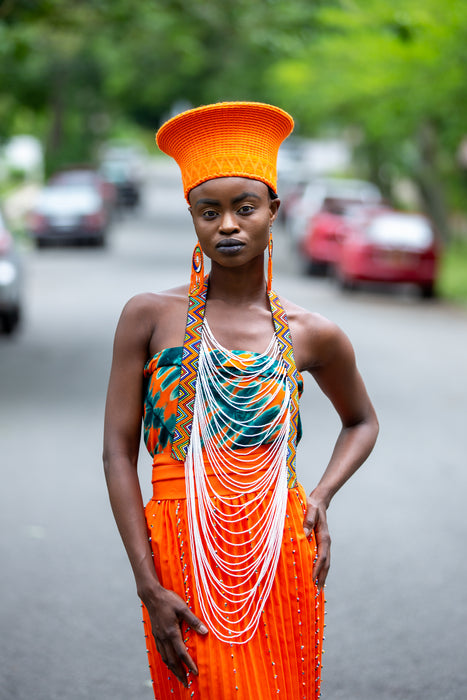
(283, 658)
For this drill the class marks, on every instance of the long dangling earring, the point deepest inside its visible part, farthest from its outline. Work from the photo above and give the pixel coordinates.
(197, 269)
(269, 261)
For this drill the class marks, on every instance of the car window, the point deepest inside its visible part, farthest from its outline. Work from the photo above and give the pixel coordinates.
(401, 229)
(64, 199)
(75, 177)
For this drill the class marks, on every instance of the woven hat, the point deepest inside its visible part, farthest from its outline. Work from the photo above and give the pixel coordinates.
(226, 139)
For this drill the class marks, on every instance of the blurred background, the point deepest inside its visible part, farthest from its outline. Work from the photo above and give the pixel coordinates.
(372, 233)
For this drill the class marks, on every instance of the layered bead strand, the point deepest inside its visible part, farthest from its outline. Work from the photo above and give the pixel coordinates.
(236, 545)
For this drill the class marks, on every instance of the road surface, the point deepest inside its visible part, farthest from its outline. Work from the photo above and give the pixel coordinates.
(397, 597)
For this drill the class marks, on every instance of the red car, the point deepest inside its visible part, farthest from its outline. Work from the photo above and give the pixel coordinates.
(391, 246)
(326, 232)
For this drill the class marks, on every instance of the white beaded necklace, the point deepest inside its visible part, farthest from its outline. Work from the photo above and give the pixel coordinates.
(235, 562)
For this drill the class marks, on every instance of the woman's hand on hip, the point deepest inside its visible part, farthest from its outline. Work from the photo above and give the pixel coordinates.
(316, 519)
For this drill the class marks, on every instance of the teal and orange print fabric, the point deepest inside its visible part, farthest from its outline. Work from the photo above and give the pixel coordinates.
(162, 376)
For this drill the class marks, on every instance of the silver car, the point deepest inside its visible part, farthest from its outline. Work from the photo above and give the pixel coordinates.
(69, 213)
(10, 281)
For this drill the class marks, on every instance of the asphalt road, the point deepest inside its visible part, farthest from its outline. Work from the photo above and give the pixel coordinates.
(397, 595)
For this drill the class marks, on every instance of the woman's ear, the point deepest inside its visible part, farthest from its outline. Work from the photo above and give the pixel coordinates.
(274, 205)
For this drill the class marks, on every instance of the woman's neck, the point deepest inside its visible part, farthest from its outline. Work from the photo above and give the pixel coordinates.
(237, 286)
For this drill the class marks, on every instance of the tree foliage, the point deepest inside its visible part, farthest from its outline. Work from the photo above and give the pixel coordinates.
(396, 72)
(392, 73)
(74, 67)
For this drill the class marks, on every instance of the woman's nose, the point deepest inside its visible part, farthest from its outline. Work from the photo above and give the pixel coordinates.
(228, 223)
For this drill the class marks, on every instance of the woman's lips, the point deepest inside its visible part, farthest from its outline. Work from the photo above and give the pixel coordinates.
(230, 246)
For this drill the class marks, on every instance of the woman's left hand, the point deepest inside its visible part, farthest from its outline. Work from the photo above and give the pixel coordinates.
(315, 519)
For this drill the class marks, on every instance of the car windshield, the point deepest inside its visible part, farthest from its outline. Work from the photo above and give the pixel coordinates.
(63, 200)
(401, 229)
(115, 171)
(75, 177)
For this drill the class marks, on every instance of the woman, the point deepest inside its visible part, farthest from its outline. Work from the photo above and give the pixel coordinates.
(230, 556)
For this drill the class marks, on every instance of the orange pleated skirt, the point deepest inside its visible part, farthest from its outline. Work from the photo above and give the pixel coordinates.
(283, 658)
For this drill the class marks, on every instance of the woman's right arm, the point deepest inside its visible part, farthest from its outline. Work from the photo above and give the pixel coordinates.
(122, 431)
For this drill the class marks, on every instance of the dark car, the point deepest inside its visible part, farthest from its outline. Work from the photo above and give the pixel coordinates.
(126, 185)
(119, 171)
(10, 281)
(124, 164)
(69, 213)
(392, 247)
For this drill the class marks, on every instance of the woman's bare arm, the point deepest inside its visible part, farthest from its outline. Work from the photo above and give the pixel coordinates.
(334, 369)
(122, 432)
(122, 429)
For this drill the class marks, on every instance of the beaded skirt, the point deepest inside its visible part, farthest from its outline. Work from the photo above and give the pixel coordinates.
(284, 655)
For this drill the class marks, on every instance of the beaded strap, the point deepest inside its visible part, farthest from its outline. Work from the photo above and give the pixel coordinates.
(281, 326)
(189, 372)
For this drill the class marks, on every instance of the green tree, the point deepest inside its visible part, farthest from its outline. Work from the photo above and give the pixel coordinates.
(48, 77)
(396, 72)
(76, 66)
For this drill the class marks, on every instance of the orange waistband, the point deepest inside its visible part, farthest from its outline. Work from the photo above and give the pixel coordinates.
(168, 475)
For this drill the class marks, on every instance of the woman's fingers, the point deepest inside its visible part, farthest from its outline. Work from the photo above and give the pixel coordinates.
(193, 621)
(183, 656)
(171, 658)
(315, 519)
(323, 560)
(310, 519)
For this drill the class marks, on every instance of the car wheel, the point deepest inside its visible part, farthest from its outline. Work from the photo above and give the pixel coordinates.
(100, 241)
(427, 291)
(10, 321)
(345, 283)
(315, 268)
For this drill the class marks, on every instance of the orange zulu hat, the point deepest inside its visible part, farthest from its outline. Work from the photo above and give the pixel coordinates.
(226, 139)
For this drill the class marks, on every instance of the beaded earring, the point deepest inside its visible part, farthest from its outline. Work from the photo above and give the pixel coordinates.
(197, 269)
(269, 261)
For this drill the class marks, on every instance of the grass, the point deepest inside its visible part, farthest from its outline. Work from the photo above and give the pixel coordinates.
(452, 281)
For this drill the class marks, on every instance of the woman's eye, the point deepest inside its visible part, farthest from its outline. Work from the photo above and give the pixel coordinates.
(209, 214)
(246, 209)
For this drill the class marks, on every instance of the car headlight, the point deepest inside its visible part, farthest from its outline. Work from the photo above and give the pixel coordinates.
(8, 272)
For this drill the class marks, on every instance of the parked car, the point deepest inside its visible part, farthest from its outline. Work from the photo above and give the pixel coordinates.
(311, 197)
(321, 245)
(127, 186)
(394, 247)
(88, 177)
(10, 281)
(69, 213)
(124, 164)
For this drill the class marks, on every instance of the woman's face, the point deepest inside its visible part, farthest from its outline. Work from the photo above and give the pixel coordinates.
(232, 217)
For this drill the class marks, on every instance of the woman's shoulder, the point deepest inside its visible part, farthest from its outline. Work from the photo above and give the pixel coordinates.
(157, 318)
(315, 338)
(308, 321)
(156, 302)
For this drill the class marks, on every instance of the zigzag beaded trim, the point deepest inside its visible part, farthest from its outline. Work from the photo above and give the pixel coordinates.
(281, 326)
(189, 373)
